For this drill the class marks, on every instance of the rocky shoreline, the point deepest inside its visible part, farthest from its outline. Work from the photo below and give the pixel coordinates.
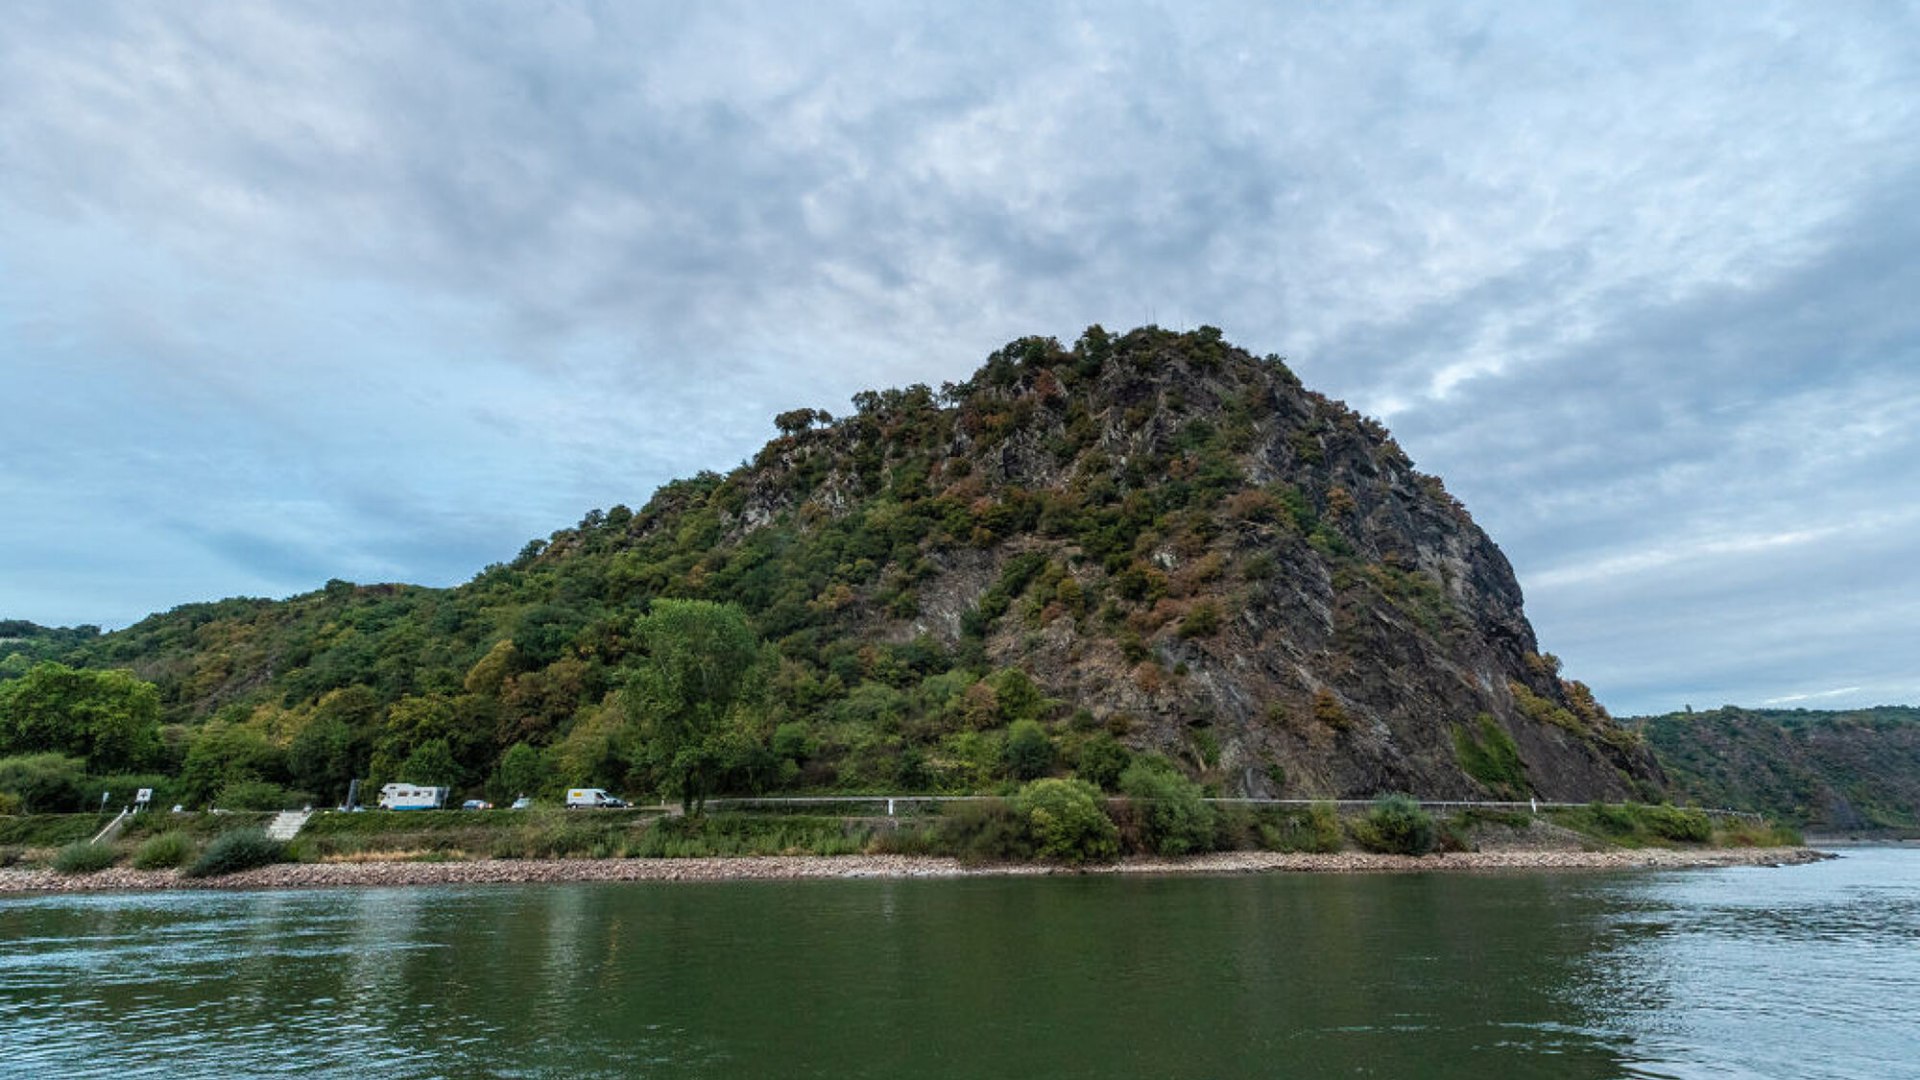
(806, 867)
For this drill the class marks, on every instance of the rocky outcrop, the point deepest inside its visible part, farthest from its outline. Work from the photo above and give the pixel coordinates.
(1205, 558)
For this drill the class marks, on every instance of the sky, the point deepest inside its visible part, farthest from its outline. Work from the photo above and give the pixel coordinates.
(291, 291)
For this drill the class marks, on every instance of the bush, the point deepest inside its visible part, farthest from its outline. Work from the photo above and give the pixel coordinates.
(44, 783)
(162, 852)
(1672, 823)
(1396, 826)
(1746, 832)
(242, 849)
(1173, 818)
(1316, 828)
(81, 857)
(982, 832)
(1067, 822)
(1633, 824)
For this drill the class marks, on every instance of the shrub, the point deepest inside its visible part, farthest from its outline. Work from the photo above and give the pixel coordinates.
(1173, 818)
(1202, 621)
(242, 849)
(1397, 826)
(44, 783)
(1746, 832)
(1316, 828)
(81, 857)
(1673, 823)
(1488, 754)
(981, 832)
(1067, 822)
(162, 852)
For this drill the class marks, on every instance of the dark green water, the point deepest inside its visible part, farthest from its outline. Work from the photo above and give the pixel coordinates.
(1802, 972)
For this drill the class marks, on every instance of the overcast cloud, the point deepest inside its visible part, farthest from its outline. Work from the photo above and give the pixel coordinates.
(299, 291)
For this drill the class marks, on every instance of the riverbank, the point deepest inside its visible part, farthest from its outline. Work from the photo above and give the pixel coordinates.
(377, 874)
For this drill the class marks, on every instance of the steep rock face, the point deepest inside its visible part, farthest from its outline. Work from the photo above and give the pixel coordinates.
(1181, 544)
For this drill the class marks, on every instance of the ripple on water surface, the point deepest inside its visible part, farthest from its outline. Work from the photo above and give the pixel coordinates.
(1806, 972)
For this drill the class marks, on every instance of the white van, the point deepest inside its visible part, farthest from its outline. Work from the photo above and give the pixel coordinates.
(591, 796)
(412, 797)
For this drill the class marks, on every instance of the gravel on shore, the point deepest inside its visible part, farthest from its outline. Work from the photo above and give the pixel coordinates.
(801, 867)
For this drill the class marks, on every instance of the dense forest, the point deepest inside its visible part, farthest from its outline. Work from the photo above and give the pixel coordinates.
(1149, 546)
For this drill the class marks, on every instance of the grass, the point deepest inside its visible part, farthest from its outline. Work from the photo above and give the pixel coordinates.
(81, 857)
(1488, 754)
(747, 834)
(204, 826)
(49, 830)
(1746, 832)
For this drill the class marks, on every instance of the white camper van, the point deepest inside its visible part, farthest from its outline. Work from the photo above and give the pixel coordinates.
(591, 796)
(412, 797)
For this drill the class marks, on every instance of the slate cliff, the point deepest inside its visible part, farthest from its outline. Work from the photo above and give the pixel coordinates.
(1179, 543)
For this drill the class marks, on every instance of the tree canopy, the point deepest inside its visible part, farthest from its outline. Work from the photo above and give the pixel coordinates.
(703, 671)
(110, 719)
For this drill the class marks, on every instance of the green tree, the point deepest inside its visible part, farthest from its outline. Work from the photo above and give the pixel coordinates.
(109, 718)
(1067, 822)
(702, 675)
(225, 752)
(1102, 761)
(320, 758)
(1028, 753)
(1174, 819)
(523, 770)
(432, 764)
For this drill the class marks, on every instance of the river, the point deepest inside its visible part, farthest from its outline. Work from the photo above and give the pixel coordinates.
(1809, 971)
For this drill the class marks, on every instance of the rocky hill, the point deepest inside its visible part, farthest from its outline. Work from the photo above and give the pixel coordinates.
(1153, 542)
(1857, 770)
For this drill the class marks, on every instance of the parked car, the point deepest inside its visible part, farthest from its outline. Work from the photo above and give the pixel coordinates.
(476, 804)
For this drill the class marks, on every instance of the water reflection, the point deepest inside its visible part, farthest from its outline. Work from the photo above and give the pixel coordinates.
(1724, 973)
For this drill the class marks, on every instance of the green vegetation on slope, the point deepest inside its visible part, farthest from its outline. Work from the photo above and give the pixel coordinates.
(1043, 571)
(1850, 770)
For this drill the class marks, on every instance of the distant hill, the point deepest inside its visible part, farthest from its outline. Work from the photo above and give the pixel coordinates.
(1827, 771)
(22, 643)
(1146, 543)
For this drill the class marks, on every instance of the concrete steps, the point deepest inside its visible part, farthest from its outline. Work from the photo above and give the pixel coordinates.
(287, 825)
